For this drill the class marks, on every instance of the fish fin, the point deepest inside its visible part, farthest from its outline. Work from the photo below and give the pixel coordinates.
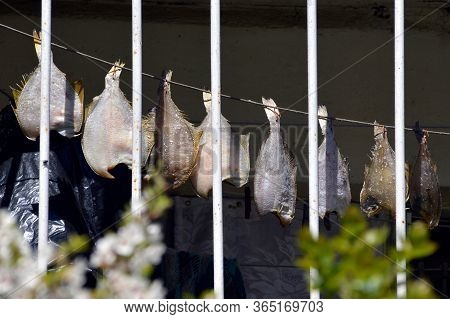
(37, 43)
(197, 138)
(366, 171)
(91, 106)
(148, 129)
(207, 101)
(16, 95)
(434, 167)
(271, 109)
(106, 174)
(20, 86)
(79, 89)
(322, 112)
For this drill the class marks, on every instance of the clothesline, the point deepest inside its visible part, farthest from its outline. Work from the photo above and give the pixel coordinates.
(239, 99)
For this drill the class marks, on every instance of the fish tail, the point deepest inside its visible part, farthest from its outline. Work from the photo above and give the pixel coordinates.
(37, 43)
(116, 69)
(271, 109)
(378, 130)
(420, 133)
(323, 122)
(207, 101)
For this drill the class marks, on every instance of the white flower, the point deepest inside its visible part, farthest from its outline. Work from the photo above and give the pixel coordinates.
(104, 254)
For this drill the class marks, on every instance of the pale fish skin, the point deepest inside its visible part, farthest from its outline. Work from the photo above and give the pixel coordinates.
(378, 191)
(275, 189)
(425, 195)
(177, 141)
(235, 155)
(334, 184)
(66, 101)
(107, 137)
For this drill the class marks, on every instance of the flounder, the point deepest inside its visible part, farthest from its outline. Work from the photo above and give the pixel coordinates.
(378, 191)
(334, 185)
(235, 155)
(177, 141)
(425, 196)
(275, 189)
(66, 101)
(107, 137)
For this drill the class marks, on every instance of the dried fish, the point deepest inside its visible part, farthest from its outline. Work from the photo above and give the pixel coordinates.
(275, 172)
(66, 101)
(177, 139)
(235, 155)
(334, 185)
(107, 137)
(425, 198)
(378, 191)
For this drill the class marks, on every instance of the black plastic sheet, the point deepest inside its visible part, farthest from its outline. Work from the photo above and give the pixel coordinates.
(77, 197)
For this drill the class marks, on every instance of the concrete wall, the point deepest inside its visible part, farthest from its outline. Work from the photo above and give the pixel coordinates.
(355, 68)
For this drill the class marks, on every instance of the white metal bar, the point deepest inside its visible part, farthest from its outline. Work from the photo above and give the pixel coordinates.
(312, 132)
(44, 139)
(400, 143)
(216, 149)
(137, 107)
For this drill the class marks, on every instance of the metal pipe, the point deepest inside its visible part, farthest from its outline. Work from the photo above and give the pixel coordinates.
(216, 149)
(400, 221)
(44, 138)
(136, 183)
(312, 133)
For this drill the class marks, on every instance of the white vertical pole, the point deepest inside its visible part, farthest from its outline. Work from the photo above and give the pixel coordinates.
(136, 183)
(44, 139)
(312, 132)
(400, 221)
(216, 149)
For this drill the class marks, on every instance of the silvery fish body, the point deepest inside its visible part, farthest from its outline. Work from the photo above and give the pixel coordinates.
(235, 155)
(107, 137)
(334, 185)
(425, 197)
(66, 101)
(275, 189)
(177, 139)
(378, 191)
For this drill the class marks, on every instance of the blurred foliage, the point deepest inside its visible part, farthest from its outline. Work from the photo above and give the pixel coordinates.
(352, 264)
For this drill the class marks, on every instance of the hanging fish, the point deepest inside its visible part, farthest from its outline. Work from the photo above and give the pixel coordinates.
(334, 185)
(107, 137)
(275, 188)
(177, 139)
(378, 191)
(425, 198)
(66, 101)
(235, 155)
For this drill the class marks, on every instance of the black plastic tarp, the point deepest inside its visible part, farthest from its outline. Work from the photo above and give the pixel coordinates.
(77, 197)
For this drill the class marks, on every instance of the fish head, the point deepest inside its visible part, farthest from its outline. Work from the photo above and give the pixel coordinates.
(112, 77)
(370, 206)
(285, 215)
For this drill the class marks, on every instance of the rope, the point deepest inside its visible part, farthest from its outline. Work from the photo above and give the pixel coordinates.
(194, 88)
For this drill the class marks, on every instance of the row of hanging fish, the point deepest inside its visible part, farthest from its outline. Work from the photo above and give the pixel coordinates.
(185, 152)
